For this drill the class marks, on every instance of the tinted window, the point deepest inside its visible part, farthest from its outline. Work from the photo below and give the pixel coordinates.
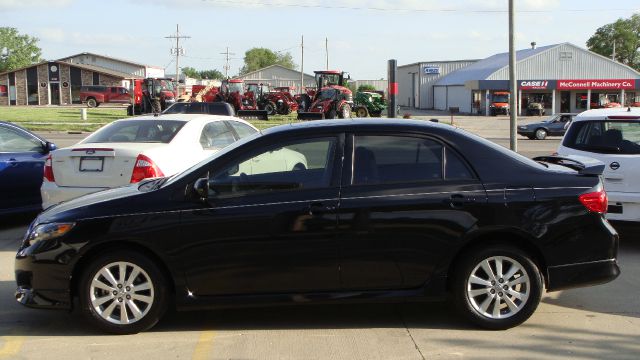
(389, 159)
(159, 131)
(295, 166)
(455, 168)
(15, 141)
(605, 137)
(242, 129)
(216, 135)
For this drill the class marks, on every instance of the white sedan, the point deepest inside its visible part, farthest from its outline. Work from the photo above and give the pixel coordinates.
(129, 150)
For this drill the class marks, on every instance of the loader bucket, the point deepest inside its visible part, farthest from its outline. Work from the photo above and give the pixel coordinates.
(253, 114)
(310, 116)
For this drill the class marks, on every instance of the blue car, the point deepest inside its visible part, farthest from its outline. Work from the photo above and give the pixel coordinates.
(22, 158)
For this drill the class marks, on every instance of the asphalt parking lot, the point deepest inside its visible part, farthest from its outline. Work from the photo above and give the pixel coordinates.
(601, 322)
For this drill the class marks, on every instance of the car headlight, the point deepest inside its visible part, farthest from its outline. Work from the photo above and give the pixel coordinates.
(48, 232)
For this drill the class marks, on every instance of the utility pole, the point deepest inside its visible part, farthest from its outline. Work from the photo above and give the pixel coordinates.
(178, 51)
(613, 55)
(302, 67)
(513, 87)
(326, 49)
(226, 64)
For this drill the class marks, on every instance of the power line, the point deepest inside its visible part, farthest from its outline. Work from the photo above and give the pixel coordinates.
(179, 51)
(450, 10)
(226, 65)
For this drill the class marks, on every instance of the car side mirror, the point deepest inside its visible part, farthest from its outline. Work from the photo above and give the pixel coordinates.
(201, 187)
(49, 147)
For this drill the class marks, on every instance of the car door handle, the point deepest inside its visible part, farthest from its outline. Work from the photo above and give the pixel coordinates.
(459, 200)
(317, 208)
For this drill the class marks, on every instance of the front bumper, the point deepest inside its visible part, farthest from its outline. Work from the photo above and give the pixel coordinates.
(582, 274)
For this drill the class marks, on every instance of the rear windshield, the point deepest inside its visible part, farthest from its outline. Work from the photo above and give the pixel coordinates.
(220, 108)
(604, 137)
(144, 131)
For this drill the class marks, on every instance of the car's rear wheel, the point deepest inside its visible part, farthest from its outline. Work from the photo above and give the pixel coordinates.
(541, 134)
(91, 102)
(497, 287)
(122, 292)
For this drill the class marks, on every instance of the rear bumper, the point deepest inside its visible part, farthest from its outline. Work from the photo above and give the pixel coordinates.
(53, 194)
(623, 206)
(582, 274)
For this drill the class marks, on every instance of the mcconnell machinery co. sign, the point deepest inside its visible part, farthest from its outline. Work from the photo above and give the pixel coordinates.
(612, 84)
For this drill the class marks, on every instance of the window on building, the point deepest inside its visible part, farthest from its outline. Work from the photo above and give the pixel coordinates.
(581, 101)
(76, 84)
(4, 91)
(12, 88)
(96, 78)
(32, 86)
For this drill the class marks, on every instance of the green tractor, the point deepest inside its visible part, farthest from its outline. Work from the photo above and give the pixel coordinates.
(369, 103)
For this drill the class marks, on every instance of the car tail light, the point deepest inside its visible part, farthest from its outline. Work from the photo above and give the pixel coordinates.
(144, 168)
(48, 170)
(595, 201)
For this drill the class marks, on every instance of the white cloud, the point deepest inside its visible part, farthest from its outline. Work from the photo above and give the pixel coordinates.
(8, 5)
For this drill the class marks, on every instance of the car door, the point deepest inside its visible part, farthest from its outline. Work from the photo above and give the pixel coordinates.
(405, 202)
(21, 169)
(267, 230)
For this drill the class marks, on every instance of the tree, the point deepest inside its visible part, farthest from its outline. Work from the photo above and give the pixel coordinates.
(211, 74)
(366, 87)
(17, 50)
(625, 33)
(258, 58)
(191, 72)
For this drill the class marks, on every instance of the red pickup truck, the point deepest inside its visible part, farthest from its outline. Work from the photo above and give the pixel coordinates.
(94, 95)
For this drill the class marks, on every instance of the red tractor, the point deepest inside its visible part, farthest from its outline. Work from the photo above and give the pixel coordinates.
(332, 98)
(152, 95)
(274, 101)
(232, 91)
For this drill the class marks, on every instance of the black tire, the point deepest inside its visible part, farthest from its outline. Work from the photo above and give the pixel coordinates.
(361, 112)
(151, 312)
(270, 108)
(531, 137)
(541, 134)
(331, 114)
(91, 102)
(461, 285)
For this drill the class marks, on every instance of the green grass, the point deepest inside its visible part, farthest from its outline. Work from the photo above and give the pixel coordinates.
(68, 119)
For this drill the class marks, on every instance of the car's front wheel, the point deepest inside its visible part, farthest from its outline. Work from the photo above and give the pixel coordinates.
(497, 287)
(122, 292)
(541, 134)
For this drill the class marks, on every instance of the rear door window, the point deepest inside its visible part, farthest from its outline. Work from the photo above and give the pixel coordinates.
(216, 135)
(605, 137)
(242, 129)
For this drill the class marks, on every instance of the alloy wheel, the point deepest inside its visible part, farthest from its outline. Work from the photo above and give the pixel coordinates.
(498, 287)
(121, 293)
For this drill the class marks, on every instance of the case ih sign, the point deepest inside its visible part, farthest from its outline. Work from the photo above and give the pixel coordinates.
(613, 84)
(533, 84)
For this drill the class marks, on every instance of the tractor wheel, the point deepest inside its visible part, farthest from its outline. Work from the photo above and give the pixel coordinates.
(304, 103)
(331, 114)
(361, 112)
(286, 110)
(270, 108)
(345, 112)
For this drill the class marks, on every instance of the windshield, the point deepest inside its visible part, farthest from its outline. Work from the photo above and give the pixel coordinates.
(327, 94)
(144, 131)
(165, 85)
(235, 87)
(328, 79)
(253, 88)
(501, 98)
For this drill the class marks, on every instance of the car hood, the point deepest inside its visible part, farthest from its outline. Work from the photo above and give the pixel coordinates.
(98, 204)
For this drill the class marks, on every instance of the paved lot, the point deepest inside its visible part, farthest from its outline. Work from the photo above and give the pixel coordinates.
(600, 322)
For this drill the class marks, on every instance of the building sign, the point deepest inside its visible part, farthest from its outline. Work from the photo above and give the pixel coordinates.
(431, 70)
(533, 84)
(54, 72)
(612, 84)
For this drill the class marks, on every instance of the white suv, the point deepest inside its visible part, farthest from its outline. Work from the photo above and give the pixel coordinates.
(613, 137)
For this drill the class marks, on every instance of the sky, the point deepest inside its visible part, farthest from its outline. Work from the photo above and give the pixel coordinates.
(361, 34)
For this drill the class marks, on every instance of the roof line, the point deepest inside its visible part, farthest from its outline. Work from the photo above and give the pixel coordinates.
(82, 66)
(439, 61)
(266, 67)
(107, 57)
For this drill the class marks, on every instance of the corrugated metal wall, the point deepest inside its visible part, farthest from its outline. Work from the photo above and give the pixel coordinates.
(278, 76)
(440, 97)
(460, 97)
(567, 62)
(405, 87)
(428, 80)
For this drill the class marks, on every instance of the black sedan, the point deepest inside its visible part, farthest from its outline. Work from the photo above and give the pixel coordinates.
(22, 158)
(555, 125)
(328, 211)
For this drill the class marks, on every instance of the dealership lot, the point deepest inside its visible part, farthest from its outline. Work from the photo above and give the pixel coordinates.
(591, 323)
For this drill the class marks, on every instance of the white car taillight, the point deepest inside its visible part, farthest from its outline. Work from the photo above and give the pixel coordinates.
(48, 170)
(145, 168)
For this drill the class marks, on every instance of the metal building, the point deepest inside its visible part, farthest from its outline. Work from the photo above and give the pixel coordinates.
(562, 77)
(277, 76)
